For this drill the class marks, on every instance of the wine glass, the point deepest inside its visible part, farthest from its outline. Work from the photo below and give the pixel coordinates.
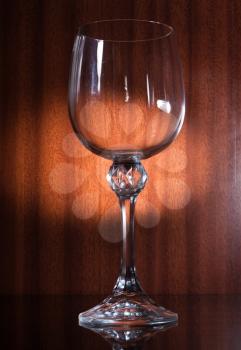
(126, 103)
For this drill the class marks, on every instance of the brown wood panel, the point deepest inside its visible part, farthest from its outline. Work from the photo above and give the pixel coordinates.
(59, 220)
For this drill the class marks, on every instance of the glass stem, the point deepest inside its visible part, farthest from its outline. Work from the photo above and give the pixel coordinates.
(127, 180)
(127, 281)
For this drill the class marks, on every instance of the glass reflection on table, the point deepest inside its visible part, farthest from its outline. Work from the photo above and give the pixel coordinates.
(207, 322)
(130, 338)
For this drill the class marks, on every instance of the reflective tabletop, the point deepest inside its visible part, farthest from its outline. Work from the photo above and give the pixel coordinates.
(51, 322)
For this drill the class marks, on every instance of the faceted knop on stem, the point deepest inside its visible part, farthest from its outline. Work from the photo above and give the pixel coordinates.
(127, 179)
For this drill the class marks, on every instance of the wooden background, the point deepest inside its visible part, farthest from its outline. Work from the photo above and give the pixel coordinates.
(55, 205)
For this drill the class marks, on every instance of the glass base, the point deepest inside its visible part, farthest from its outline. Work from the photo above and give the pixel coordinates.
(125, 310)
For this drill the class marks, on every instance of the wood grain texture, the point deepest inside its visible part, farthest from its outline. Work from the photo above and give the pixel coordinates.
(188, 216)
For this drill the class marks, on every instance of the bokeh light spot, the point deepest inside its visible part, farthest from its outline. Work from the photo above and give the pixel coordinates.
(172, 160)
(160, 127)
(173, 193)
(130, 117)
(73, 147)
(95, 119)
(110, 225)
(147, 215)
(85, 206)
(62, 178)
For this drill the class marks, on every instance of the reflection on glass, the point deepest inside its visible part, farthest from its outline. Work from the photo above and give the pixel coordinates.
(130, 338)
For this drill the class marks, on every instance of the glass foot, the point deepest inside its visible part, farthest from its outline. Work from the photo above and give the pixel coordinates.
(126, 310)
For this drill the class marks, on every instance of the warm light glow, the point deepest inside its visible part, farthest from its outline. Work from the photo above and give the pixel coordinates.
(173, 193)
(172, 160)
(62, 178)
(85, 206)
(96, 120)
(73, 148)
(147, 215)
(130, 117)
(159, 127)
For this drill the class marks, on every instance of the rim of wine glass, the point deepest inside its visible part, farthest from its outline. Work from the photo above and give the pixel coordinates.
(161, 24)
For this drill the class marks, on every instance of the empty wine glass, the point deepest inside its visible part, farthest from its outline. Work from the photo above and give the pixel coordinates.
(126, 103)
